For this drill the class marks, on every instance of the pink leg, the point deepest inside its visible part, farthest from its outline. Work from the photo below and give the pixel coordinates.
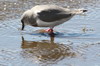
(49, 30)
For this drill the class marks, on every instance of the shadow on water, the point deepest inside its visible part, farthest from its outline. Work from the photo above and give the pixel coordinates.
(61, 34)
(46, 51)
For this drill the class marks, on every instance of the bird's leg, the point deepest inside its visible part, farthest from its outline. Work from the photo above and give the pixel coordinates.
(49, 30)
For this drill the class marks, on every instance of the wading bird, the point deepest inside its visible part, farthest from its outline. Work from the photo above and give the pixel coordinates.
(48, 16)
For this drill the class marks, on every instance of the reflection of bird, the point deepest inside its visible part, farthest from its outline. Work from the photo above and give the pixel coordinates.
(46, 51)
(48, 16)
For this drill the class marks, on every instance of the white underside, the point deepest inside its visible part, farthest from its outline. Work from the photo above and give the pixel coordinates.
(51, 24)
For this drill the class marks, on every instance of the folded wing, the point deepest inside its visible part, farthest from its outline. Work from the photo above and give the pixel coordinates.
(52, 15)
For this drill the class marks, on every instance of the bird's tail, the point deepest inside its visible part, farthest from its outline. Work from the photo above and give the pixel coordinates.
(78, 11)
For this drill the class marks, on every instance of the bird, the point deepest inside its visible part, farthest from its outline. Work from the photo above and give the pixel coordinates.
(48, 16)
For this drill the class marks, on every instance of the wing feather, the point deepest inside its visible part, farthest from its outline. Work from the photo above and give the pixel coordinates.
(52, 15)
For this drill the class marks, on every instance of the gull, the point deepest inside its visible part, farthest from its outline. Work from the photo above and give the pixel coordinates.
(48, 16)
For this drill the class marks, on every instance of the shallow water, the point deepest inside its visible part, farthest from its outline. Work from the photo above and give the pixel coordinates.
(76, 43)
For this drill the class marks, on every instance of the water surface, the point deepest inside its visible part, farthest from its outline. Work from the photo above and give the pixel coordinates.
(77, 42)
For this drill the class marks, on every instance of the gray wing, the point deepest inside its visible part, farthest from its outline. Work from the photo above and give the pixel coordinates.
(51, 15)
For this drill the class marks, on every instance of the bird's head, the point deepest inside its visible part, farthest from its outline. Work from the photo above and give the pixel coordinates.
(25, 18)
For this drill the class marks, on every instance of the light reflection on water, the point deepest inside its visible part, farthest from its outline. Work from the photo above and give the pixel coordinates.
(46, 51)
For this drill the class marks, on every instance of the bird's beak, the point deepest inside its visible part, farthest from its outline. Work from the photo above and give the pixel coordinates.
(22, 25)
